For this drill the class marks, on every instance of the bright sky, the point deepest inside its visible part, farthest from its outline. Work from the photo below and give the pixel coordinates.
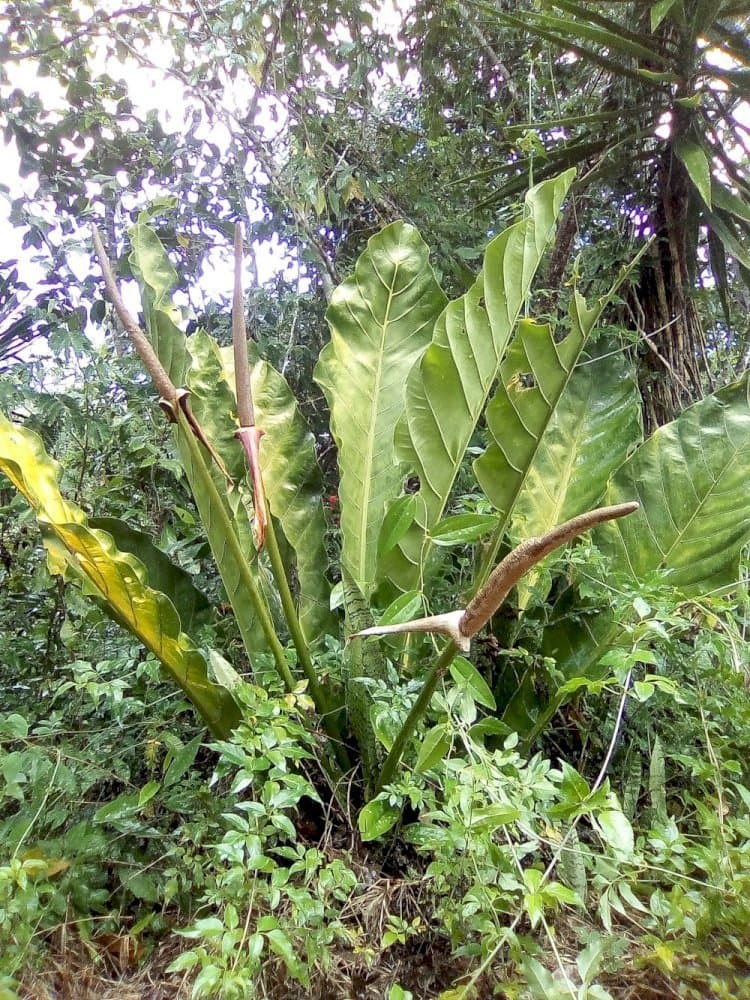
(149, 91)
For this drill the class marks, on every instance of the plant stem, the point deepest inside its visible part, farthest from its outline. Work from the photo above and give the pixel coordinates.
(164, 385)
(244, 392)
(419, 708)
(322, 704)
(557, 700)
(290, 614)
(256, 597)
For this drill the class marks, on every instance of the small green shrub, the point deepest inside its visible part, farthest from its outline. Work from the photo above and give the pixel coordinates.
(267, 892)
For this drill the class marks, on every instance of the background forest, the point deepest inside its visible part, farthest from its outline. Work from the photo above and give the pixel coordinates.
(428, 319)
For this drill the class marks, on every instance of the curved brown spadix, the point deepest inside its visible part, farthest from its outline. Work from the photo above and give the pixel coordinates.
(518, 562)
(446, 624)
(461, 625)
(248, 434)
(162, 382)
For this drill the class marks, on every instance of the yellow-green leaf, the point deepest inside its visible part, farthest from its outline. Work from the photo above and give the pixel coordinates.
(117, 579)
(446, 392)
(381, 321)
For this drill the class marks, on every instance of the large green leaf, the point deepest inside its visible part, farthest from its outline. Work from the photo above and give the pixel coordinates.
(381, 320)
(290, 469)
(532, 380)
(294, 488)
(213, 401)
(691, 478)
(224, 511)
(594, 426)
(226, 517)
(118, 579)
(447, 391)
(293, 483)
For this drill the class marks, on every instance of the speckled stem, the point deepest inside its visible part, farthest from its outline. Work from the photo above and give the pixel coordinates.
(162, 382)
(245, 408)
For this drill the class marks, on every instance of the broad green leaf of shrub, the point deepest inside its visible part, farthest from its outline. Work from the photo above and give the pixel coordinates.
(116, 578)
(615, 829)
(224, 513)
(691, 479)
(381, 320)
(294, 488)
(435, 747)
(467, 677)
(396, 522)
(596, 423)
(226, 517)
(213, 401)
(290, 469)
(447, 391)
(594, 426)
(532, 381)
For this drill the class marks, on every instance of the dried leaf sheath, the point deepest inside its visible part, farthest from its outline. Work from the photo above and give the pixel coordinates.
(171, 398)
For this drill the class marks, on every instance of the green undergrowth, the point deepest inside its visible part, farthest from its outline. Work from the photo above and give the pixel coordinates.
(616, 850)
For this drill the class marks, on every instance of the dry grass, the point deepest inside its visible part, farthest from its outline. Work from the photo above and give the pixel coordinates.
(424, 965)
(112, 967)
(109, 970)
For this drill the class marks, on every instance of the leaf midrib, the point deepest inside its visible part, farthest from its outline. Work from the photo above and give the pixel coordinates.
(367, 480)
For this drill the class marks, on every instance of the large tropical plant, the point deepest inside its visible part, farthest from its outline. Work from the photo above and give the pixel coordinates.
(411, 382)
